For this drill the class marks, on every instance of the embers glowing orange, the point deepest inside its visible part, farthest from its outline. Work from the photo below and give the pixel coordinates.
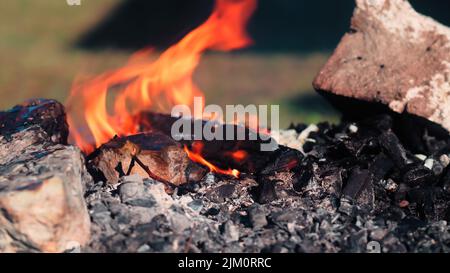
(196, 156)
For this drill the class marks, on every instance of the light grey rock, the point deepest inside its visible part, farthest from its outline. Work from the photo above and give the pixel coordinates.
(41, 194)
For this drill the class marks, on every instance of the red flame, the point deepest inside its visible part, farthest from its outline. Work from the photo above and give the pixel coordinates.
(195, 155)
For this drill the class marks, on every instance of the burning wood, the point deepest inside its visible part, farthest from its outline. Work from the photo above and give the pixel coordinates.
(171, 161)
(151, 154)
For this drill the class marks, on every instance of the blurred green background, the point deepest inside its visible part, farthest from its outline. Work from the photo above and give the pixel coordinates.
(44, 44)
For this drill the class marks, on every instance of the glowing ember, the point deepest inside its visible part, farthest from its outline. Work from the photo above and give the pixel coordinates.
(195, 155)
(157, 85)
(238, 156)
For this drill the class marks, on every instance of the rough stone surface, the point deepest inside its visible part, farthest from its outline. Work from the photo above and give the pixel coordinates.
(395, 56)
(42, 208)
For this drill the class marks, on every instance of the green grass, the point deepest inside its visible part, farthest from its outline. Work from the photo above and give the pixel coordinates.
(38, 61)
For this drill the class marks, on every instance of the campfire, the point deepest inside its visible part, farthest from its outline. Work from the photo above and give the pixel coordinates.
(105, 172)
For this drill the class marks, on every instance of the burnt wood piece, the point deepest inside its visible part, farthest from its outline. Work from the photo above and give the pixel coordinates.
(380, 166)
(418, 175)
(217, 152)
(358, 181)
(265, 192)
(50, 115)
(394, 56)
(284, 159)
(152, 155)
(42, 208)
(392, 146)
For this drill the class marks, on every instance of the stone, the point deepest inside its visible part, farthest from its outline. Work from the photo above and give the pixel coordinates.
(42, 208)
(394, 56)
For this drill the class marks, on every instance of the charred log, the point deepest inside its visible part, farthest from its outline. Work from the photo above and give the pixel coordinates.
(153, 155)
(47, 114)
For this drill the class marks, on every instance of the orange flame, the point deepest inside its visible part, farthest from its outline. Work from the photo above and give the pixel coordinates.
(195, 155)
(158, 85)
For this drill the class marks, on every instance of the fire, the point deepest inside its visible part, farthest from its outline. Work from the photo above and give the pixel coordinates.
(145, 84)
(195, 155)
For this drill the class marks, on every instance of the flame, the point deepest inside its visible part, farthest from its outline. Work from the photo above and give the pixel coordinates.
(195, 155)
(144, 84)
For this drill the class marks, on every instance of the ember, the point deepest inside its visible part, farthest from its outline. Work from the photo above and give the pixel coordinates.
(195, 155)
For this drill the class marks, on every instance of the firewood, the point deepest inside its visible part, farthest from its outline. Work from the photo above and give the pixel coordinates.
(218, 152)
(47, 114)
(153, 155)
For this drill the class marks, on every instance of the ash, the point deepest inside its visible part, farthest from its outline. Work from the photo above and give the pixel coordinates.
(355, 185)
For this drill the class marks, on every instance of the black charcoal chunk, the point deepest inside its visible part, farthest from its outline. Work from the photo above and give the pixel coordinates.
(265, 191)
(358, 181)
(302, 178)
(284, 159)
(417, 175)
(380, 166)
(392, 146)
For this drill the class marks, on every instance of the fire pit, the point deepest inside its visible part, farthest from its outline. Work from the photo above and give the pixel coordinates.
(379, 181)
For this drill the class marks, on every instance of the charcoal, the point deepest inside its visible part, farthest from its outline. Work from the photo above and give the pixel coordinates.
(366, 198)
(401, 193)
(359, 180)
(418, 175)
(49, 115)
(302, 178)
(265, 192)
(424, 200)
(376, 124)
(446, 182)
(380, 166)
(284, 159)
(393, 147)
(308, 146)
(355, 183)
(331, 180)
